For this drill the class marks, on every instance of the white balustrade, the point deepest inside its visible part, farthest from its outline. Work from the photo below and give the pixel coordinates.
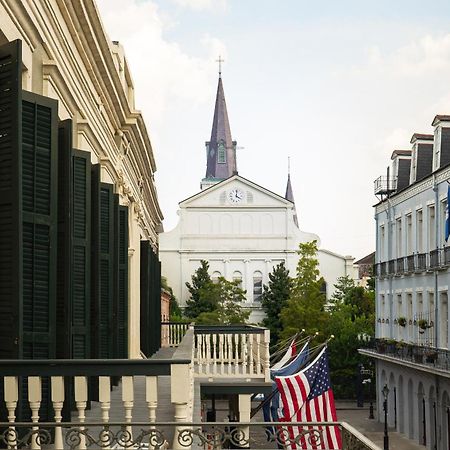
(34, 399)
(58, 402)
(10, 385)
(81, 397)
(104, 397)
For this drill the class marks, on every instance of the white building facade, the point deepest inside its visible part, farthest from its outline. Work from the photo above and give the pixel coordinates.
(242, 229)
(412, 283)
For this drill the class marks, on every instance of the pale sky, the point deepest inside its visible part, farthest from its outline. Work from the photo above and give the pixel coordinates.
(335, 85)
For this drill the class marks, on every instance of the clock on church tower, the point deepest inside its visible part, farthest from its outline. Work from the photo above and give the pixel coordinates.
(235, 196)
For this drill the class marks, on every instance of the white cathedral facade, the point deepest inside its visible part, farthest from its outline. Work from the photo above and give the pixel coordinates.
(242, 229)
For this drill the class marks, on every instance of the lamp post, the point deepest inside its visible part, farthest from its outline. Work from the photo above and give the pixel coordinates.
(385, 393)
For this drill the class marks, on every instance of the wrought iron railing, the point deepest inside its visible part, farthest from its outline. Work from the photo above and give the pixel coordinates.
(437, 259)
(410, 263)
(399, 266)
(186, 435)
(431, 356)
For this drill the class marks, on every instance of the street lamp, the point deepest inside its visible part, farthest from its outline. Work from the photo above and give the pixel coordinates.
(385, 393)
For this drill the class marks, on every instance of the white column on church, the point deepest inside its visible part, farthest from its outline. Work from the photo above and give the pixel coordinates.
(248, 281)
(268, 268)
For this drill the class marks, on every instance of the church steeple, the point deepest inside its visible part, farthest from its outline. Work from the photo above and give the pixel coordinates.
(289, 195)
(220, 149)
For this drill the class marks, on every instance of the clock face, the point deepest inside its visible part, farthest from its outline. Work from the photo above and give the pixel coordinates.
(236, 196)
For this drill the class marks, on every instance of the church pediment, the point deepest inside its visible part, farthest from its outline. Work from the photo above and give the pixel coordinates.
(235, 192)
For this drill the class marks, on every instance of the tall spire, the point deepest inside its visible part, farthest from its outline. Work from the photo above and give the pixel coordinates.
(221, 149)
(289, 195)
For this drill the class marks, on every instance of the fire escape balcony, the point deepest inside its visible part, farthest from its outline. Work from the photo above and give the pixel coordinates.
(147, 403)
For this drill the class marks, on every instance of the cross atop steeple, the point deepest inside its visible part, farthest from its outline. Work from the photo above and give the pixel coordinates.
(220, 61)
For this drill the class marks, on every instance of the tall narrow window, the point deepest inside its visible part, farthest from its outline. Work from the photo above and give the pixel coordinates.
(431, 228)
(437, 148)
(382, 243)
(409, 237)
(419, 230)
(257, 286)
(399, 237)
(383, 316)
(237, 278)
(443, 318)
(221, 154)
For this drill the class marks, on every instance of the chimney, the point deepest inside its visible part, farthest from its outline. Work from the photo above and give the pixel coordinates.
(441, 150)
(401, 165)
(422, 156)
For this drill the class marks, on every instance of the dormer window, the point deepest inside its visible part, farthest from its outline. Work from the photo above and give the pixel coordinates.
(437, 148)
(221, 155)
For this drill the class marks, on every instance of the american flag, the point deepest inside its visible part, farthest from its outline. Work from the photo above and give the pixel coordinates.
(291, 351)
(307, 397)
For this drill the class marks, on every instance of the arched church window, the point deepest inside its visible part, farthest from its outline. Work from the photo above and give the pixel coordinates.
(215, 277)
(221, 154)
(257, 286)
(237, 277)
(323, 288)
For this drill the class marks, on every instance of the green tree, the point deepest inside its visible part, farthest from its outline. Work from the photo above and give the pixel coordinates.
(274, 299)
(306, 306)
(228, 297)
(343, 286)
(201, 290)
(352, 315)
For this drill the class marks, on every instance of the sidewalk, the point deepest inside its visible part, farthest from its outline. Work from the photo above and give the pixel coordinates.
(359, 418)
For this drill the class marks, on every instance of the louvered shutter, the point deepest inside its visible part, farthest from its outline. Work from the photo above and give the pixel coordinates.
(73, 305)
(10, 200)
(81, 214)
(145, 298)
(121, 280)
(102, 266)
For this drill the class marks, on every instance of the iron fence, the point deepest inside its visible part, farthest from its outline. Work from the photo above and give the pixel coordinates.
(181, 435)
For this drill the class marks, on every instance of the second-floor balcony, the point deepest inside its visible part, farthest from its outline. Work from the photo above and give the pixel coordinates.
(437, 259)
(150, 403)
(429, 358)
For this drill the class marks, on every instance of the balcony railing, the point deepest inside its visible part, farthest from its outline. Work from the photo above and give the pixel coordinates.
(437, 259)
(172, 333)
(184, 435)
(384, 185)
(233, 351)
(430, 356)
(399, 266)
(70, 402)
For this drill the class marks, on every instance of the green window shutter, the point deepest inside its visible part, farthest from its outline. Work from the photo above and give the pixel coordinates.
(39, 221)
(10, 200)
(121, 280)
(145, 298)
(81, 216)
(64, 270)
(102, 269)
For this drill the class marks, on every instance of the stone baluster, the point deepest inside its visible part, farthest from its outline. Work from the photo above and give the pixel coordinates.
(208, 353)
(221, 353)
(128, 403)
(58, 403)
(151, 397)
(214, 353)
(250, 354)
(180, 397)
(258, 354)
(104, 397)
(236, 353)
(266, 357)
(11, 398)
(230, 353)
(80, 403)
(35, 398)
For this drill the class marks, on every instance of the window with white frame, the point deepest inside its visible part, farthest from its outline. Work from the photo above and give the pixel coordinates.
(257, 286)
(399, 237)
(382, 242)
(431, 227)
(419, 230)
(409, 236)
(437, 148)
(215, 277)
